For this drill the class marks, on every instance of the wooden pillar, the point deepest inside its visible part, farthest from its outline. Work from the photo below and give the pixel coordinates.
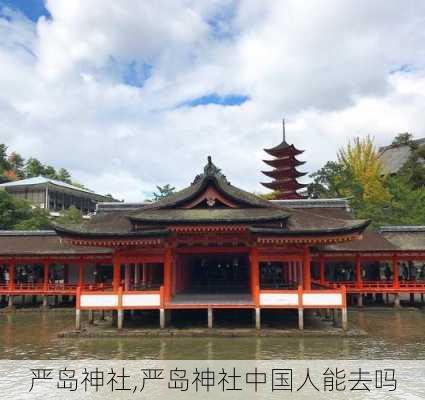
(46, 275)
(290, 277)
(322, 277)
(144, 272)
(136, 274)
(116, 280)
(77, 310)
(168, 270)
(81, 274)
(127, 277)
(358, 266)
(66, 273)
(255, 276)
(396, 272)
(307, 269)
(12, 271)
(120, 314)
(300, 308)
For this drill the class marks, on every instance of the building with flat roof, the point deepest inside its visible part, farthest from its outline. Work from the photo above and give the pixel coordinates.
(54, 195)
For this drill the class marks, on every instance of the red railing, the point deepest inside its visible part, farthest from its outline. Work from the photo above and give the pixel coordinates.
(41, 288)
(377, 286)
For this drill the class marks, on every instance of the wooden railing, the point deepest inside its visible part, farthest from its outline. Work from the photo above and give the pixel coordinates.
(300, 298)
(114, 300)
(378, 286)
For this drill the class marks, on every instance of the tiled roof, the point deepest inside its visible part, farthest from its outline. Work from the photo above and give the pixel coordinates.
(394, 157)
(30, 243)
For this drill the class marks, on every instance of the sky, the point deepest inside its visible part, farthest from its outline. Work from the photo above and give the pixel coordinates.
(130, 94)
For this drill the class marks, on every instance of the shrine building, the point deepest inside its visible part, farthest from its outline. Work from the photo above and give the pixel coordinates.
(213, 246)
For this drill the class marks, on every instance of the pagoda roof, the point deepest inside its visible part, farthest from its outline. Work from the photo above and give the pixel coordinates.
(285, 172)
(284, 149)
(284, 162)
(283, 184)
(192, 206)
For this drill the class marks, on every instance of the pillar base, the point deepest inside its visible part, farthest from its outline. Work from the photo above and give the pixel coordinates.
(397, 300)
(257, 314)
(344, 319)
(45, 302)
(161, 318)
(78, 320)
(210, 318)
(301, 319)
(120, 319)
(10, 302)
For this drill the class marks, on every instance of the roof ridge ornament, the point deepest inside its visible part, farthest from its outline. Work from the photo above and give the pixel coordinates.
(210, 169)
(283, 129)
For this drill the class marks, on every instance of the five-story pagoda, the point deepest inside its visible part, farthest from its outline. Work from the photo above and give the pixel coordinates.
(284, 173)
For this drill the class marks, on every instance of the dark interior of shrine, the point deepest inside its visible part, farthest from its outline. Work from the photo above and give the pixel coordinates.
(215, 273)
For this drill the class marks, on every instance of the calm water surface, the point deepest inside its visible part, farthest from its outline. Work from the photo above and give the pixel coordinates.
(391, 334)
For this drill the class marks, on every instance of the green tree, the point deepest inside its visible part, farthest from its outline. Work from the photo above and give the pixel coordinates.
(402, 139)
(163, 191)
(64, 176)
(70, 216)
(39, 219)
(12, 210)
(49, 172)
(4, 164)
(414, 168)
(33, 167)
(330, 181)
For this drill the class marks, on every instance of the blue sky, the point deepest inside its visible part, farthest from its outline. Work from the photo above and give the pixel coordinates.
(132, 94)
(32, 9)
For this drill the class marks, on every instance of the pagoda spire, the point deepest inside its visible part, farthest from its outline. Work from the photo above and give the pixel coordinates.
(284, 173)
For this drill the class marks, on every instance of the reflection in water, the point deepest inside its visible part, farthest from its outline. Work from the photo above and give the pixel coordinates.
(391, 334)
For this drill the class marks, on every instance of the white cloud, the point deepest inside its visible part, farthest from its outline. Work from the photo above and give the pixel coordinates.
(329, 67)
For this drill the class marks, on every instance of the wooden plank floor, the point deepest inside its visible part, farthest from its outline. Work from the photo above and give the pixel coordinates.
(200, 298)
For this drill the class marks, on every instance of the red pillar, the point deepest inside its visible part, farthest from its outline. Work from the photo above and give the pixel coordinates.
(168, 270)
(81, 274)
(322, 277)
(66, 273)
(396, 271)
(11, 268)
(306, 269)
(116, 280)
(255, 275)
(127, 277)
(46, 275)
(359, 281)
